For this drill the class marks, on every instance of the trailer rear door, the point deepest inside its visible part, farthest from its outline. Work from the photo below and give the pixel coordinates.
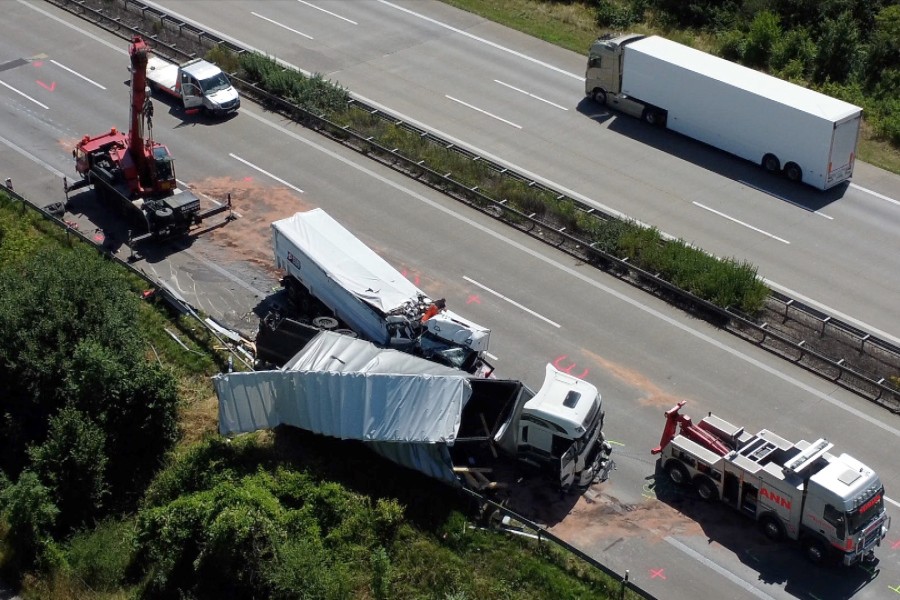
(843, 150)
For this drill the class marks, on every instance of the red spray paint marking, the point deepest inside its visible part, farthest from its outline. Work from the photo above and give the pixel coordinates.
(38, 63)
(654, 573)
(568, 369)
(50, 87)
(248, 179)
(895, 545)
(414, 278)
(473, 299)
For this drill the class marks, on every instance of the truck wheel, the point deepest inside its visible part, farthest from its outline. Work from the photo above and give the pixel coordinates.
(677, 473)
(651, 117)
(771, 163)
(600, 97)
(328, 323)
(815, 551)
(706, 489)
(793, 171)
(771, 527)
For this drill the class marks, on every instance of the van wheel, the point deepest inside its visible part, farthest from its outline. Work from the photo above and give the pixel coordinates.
(677, 473)
(771, 527)
(814, 550)
(793, 171)
(600, 97)
(771, 163)
(706, 489)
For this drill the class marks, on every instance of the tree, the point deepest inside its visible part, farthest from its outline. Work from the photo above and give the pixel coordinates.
(31, 514)
(838, 45)
(72, 464)
(765, 30)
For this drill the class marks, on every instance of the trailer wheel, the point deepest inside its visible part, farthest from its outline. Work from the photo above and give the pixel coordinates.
(652, 117)
(815, 551)
(793, 171)
(329, 323)
(600, 96)
(771, 527)
(677, 473)
(771, 163)
(706, 489)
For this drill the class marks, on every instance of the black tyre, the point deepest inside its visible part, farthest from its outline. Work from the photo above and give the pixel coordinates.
(599, 97)
(771, 527)
(651, 117)
(329, 323)
(677, 473)
(706, 489)
(815, 551)
(793, 171)
(771, 163)
(163, 213)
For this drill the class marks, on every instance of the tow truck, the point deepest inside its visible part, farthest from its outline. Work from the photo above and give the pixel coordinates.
(136, 174)
(832, 505)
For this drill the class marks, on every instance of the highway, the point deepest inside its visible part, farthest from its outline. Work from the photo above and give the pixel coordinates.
(521, 102)
(63, 79)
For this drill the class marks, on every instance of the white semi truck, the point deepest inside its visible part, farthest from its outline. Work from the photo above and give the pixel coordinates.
(327, 265)
(785, 128)
(450, 425)
(833, 505)
(196, 84)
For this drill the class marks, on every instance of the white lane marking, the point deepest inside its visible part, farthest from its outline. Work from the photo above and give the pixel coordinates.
(264, 172)
(739, 222)
(481, 110)
(583, 278)
(118, 49)
(282, 25)
(511, 301)
(32, 157)
(311, 5)
(75, 73)
(559, 106)
(834, 313)
(484, 41)
(876, 194)
(718, 569)
(894, 502)
(783, 199)
(24, 95)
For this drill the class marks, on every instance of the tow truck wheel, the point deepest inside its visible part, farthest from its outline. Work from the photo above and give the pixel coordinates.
(707, 489)
(677, 473)
(771, 528)
(814, 551)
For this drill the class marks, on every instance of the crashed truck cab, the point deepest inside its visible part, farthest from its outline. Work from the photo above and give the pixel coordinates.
(561, 428)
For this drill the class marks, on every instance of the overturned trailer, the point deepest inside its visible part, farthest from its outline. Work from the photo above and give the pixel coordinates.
(423, 415)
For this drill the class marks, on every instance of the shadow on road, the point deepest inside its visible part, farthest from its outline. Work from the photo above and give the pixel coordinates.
(780, 563)
(712, 159)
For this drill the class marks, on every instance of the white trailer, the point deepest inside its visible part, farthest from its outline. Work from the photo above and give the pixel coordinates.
(438, 420)
(323, 259)
(785, 128)
(196, 83)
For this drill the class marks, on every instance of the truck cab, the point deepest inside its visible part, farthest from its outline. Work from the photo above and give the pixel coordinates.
(560, 429)
(603, 78)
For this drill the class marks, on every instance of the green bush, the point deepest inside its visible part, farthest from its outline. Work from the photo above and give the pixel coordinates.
(764, 31)
(100, 557)
(30, 513)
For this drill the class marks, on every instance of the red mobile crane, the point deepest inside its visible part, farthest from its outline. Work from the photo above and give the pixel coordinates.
(134, 172)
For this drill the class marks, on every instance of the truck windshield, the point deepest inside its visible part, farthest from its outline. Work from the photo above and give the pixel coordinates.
(868, 510)
(215, 83)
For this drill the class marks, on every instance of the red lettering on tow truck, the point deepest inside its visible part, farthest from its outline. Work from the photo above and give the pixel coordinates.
(775, 498)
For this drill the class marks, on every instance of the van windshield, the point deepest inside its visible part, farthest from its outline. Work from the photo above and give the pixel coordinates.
(215, 83)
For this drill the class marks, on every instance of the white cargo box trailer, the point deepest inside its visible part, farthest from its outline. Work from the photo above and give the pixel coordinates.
(362, 289)
(808, 136)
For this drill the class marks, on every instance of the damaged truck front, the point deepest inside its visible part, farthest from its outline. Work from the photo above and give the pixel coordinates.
(448, 424)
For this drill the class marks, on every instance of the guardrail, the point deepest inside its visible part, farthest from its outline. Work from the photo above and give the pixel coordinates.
(833, 368)
(541, 534)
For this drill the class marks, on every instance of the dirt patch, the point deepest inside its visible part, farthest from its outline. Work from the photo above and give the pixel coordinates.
(652, 520)
(653, 394)
(249, 238)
